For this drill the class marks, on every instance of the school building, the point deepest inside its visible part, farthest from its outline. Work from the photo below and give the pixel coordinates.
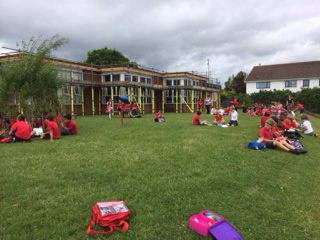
(88, 87)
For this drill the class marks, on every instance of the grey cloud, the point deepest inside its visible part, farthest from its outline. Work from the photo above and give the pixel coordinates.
(173, 35)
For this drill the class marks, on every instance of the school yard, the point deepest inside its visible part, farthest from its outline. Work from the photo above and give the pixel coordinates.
(165, 172)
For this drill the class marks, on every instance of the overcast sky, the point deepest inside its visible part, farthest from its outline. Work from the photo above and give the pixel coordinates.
(173, 35)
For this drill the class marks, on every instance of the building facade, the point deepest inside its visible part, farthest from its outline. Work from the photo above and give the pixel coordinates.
(291, 76)
(87, 88)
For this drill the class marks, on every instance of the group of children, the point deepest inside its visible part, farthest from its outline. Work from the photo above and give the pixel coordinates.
(278, 125)
(129, 108)
(52, 127)
(218, 118)
(279, 131)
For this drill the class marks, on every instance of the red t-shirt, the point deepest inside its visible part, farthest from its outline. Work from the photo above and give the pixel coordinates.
(157, 115)
(52, 125)
(72, 126)
(196, 119)
(217, 118)
(286, 125)
(58, 120)
(299, 106)
(265, 133)
(263, 120)
(22, 130)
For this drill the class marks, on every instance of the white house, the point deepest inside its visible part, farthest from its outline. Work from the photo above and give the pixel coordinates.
(291, 76)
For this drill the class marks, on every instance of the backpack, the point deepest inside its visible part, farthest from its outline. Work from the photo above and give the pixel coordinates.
(113, 215)
(256, 145)
(297, 144)
(7, 139)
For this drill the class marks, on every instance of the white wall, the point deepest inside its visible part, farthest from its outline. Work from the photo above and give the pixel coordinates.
(280, 85)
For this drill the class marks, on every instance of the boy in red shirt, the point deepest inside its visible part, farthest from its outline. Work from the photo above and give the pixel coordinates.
(196, 119)
(300, 107)
(70, 128)
(21, 130)
(53, 129)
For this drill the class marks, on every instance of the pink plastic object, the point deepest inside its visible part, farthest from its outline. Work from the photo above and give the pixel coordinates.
(204, 220)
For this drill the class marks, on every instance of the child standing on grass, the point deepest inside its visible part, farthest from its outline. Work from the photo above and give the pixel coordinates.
(109, 107)
(266, 138)
(234, 117)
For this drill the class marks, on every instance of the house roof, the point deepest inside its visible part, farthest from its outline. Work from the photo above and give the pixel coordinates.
(286, 71)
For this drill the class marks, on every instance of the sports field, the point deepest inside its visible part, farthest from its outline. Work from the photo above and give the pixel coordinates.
(165, 172)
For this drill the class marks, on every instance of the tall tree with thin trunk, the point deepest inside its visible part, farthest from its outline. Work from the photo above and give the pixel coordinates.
(28, 80)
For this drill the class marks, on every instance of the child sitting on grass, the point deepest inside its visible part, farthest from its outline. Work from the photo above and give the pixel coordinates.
(234, 117)
(218, 119)
(52, 129)
(196, 119)
(306, 126)
(266, 134)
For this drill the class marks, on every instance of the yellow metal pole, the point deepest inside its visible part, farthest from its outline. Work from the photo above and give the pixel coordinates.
(177, 101)
(152, 100)
(139, 99)
(99, 101)
(181, 103)
(129, 94)
(163, 101)
(92, 101)
(192, 100)
(82, 100)
(112, 99)
(71, 95)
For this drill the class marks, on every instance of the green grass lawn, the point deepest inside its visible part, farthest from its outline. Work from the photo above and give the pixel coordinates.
(165, 172)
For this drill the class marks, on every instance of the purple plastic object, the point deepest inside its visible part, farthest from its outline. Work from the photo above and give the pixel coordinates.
(224, 231)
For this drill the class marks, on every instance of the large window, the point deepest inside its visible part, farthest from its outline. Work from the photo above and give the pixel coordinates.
(261, 85)
(66, 93)
(143, 80)
(134, 78)
(69, 74)
(176, 82)
(107, 78)
(306, 83)
(127, 78)
(186, 94)
(291, 83)
(77, 94)
(147, 95)
(169, 82)
(115, 77)
(105, 95)
(169, 96)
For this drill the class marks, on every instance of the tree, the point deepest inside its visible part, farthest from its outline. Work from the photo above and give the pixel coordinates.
(31, 80)
(106, 56)
(238, 84)
(228, 84)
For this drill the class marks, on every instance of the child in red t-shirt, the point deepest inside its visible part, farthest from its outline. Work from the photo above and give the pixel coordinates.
(21, 130)
(158, 117)
(266, 138)
(196, 119)
(70, 128)
(52, 128)
(218, 119)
